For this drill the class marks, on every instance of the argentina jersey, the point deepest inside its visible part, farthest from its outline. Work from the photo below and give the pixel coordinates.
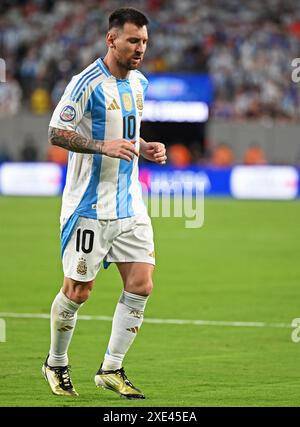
(99, 106)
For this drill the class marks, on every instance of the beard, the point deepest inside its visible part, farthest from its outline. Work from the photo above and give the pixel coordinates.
(129, 64)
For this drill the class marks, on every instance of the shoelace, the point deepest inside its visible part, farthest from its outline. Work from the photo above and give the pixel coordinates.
(63, 375)
(121, 372)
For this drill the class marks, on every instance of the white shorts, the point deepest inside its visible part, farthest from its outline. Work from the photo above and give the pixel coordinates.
(92, 241)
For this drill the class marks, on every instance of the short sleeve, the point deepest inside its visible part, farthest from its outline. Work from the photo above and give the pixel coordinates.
(145, 85)
(68, 112)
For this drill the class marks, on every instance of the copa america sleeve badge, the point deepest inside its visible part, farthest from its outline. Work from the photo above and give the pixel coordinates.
(68, 113)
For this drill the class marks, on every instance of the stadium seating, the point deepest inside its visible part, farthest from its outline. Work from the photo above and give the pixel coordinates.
(247, 47)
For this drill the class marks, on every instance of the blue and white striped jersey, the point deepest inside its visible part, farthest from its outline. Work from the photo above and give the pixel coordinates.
(99, 106)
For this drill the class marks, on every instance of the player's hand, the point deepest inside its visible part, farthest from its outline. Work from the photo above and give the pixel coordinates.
(154, 151)
(120, 149)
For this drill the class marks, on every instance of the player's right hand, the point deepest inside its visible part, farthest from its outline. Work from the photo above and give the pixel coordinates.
(120, 149)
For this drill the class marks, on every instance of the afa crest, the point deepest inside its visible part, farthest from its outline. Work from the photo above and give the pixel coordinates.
(127, 101)
(82, 267)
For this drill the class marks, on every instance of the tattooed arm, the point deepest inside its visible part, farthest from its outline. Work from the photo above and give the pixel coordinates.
(72, 141)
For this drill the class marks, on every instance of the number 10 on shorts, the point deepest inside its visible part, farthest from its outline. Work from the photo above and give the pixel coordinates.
(84, 240)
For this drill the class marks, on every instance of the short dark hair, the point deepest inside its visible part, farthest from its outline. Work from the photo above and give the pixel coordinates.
(127, 14)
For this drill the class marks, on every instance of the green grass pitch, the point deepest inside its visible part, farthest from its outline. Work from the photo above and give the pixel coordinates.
(242, 265)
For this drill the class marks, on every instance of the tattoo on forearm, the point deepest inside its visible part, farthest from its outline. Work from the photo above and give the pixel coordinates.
(72, 141)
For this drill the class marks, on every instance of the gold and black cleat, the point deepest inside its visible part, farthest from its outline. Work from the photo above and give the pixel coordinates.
(59, 379)
(118, 382)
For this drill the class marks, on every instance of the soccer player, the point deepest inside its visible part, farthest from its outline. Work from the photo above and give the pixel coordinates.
(103, 216)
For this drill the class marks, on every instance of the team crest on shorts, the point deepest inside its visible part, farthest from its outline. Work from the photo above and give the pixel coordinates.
(82, 267)
(68, 113)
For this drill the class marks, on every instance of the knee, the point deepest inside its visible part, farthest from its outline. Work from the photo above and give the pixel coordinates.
(77, 291)
(140, 286)
(148, 287)
(80, 294)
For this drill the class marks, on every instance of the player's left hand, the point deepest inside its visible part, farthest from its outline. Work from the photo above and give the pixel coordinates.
(154, 151)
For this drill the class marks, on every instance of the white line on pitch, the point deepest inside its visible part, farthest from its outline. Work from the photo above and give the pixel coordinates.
(159, 321)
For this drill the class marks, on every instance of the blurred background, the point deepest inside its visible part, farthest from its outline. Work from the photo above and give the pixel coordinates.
(220, 94)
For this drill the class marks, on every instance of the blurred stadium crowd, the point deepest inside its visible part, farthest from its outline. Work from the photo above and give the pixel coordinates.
(246, 46)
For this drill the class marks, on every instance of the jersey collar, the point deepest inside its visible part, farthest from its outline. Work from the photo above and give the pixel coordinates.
(103, 67)
(106, 71)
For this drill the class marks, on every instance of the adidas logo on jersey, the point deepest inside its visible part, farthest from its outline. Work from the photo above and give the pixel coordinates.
(114, 105)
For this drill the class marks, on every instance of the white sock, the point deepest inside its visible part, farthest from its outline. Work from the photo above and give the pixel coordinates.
(127, 320)
(63, 320)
